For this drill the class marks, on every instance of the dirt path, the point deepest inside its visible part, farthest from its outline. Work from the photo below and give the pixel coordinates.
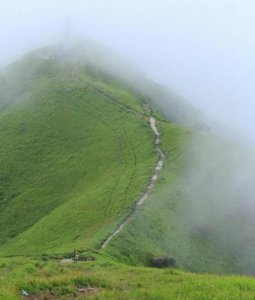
(157, 168)
(151, 185)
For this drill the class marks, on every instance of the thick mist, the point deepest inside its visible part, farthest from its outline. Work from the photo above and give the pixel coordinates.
(203, 50)
(218, 203)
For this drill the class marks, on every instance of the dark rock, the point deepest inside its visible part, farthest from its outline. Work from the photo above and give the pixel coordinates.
(163, 262)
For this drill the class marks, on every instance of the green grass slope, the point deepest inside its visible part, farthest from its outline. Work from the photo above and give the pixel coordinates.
(50, 280)
(195, 213)
(146, 235)
(75, 154)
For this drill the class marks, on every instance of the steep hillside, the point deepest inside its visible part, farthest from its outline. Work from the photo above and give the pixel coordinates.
(75, 154)
(201, 211)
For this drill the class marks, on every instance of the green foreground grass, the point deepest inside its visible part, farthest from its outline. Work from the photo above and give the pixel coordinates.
(115, 281)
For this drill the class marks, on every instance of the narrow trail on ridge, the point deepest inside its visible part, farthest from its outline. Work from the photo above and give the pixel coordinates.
(156, 171)
(149, 188)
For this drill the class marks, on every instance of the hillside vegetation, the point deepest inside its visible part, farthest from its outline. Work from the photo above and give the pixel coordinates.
(200, 212)
(50, 280)
(75, 154)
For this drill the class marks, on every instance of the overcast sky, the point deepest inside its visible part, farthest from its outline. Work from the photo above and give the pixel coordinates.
(202, 49)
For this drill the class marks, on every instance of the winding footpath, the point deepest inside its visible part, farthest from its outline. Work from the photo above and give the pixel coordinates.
(149, 188)
(157, 168)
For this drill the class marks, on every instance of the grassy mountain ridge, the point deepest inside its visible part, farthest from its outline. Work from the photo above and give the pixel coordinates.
(76, 152)
(70, 127)
(71, 159)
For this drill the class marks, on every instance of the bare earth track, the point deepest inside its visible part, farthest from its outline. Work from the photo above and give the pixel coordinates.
(157, 168)
(151, 185)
